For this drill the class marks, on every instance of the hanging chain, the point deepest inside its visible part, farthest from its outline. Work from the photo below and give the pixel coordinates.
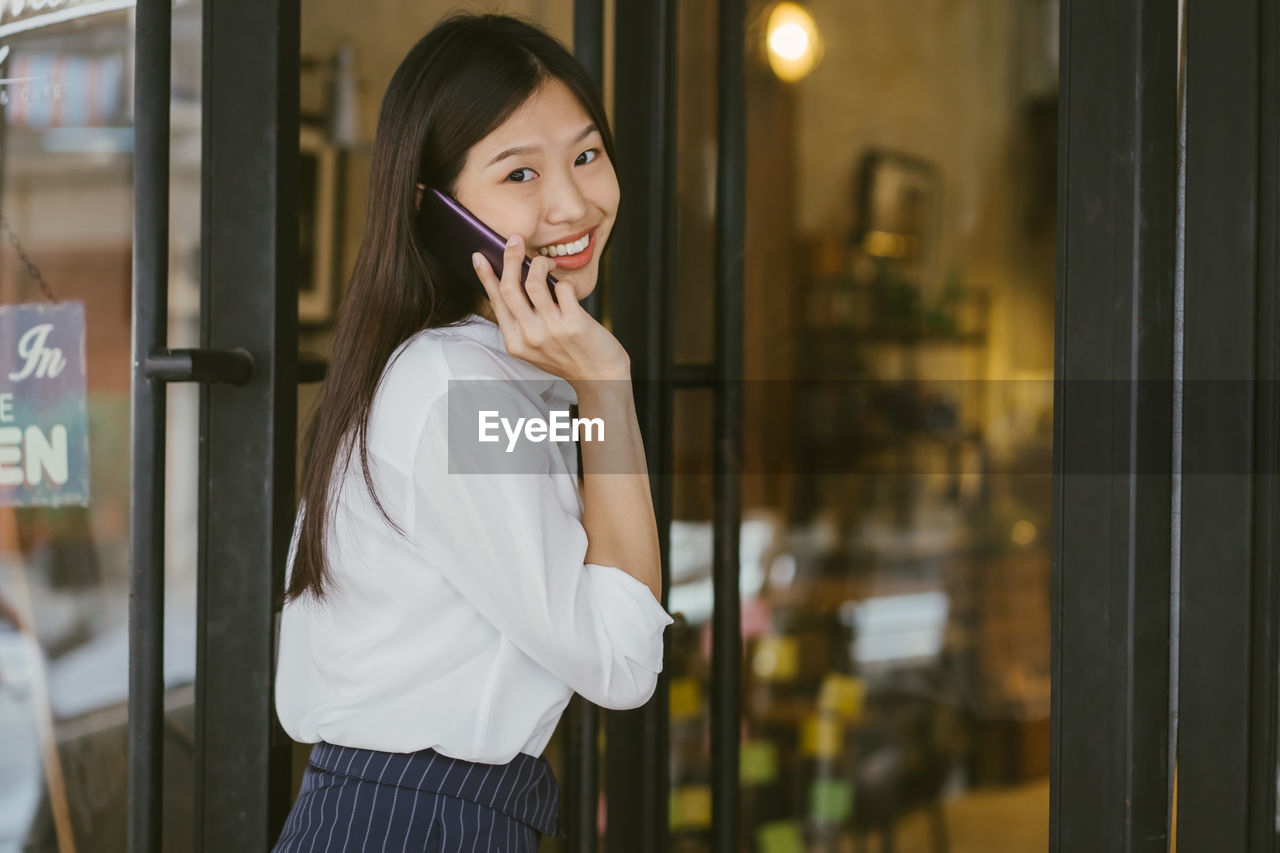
(32, 269)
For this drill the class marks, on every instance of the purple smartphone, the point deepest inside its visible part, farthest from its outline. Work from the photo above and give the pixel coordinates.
(452, 233)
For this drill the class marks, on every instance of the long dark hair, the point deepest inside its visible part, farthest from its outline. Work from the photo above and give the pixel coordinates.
(456, 85)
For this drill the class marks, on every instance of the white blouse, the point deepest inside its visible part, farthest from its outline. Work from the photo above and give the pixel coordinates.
(470, 631)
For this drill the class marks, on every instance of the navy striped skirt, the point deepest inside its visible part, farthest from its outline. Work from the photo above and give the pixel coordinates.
(361, 799)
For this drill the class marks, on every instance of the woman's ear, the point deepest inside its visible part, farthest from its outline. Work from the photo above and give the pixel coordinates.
(417, 200)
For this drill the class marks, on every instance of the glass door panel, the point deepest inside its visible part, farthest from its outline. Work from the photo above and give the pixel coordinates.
(67, 204)
(897, 421)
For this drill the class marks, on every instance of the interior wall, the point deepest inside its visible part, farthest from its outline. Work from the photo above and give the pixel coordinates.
(940, 81)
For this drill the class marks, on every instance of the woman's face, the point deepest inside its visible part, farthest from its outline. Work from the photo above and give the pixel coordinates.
(544, 174)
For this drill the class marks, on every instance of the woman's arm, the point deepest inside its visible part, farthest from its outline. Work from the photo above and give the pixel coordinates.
(617, 506)
(564, 340)
(506, 534)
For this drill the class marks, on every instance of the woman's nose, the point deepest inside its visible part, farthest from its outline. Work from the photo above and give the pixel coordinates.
(567, 201)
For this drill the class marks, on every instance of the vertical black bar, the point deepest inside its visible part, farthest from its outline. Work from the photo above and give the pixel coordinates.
(588, 47)
(726, 631)
(657, 398)
(1113, 426)
(1175, 512)
(659, 392)
(147, 426)
(637, 752)
(249, 300)
(1217, 736)
(583, 782)
(588, 38)
(1265, 710)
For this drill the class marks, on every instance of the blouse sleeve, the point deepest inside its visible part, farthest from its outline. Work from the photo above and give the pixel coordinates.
(497, 526)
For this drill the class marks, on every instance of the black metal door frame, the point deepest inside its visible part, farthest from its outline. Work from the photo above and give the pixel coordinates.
(1230, 648)
(1166, 654)
(247, 366)
(639, 269)
(1113, 431)
(642, 273)
(249, 299)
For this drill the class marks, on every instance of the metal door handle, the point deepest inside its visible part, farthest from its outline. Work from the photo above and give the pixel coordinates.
(232, 367)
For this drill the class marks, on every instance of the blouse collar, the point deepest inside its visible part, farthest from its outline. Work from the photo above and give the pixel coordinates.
(551, 388)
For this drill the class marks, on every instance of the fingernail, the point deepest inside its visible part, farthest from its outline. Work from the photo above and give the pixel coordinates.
(513, 239)
(475, 259)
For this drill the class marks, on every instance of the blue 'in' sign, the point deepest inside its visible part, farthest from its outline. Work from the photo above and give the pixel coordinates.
(44, 425)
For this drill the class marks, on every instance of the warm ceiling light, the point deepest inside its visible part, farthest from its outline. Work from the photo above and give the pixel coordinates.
(792, 41)
(789, 41)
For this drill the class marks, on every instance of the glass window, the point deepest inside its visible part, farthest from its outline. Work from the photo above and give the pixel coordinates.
(899, 274)
(67, 206)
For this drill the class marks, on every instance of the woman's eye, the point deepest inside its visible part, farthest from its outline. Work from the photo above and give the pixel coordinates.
(594, 152)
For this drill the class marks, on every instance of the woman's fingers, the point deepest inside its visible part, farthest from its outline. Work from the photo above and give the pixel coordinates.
(524, 311)
(538, 288)
(557, 336)
(490, 281)
(510, 288)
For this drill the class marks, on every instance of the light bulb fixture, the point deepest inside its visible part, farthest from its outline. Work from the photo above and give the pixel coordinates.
(792, 42)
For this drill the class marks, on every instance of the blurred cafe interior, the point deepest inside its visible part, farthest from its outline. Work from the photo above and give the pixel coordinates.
(897, 409)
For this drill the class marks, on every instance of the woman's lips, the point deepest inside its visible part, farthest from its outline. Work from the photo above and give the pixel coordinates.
(573, 262)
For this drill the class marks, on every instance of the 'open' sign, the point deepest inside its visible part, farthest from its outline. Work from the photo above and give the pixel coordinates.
(44, 430)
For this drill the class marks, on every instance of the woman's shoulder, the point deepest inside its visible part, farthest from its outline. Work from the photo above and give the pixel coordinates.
(470, 348)
(419, 371)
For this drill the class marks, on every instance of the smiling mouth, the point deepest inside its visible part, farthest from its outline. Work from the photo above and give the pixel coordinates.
(570, 249)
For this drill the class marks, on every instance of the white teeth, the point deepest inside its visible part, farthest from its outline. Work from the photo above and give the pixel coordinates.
(559, 250)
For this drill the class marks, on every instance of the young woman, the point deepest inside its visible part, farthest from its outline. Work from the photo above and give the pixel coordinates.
(439, 613)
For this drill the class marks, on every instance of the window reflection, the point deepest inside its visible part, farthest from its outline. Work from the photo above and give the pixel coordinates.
(897, 424)
(66, 191)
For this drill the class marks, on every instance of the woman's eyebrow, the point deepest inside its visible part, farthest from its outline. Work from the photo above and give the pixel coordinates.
(521, 150)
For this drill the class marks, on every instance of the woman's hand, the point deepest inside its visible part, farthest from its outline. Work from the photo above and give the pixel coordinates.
(557, 336)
